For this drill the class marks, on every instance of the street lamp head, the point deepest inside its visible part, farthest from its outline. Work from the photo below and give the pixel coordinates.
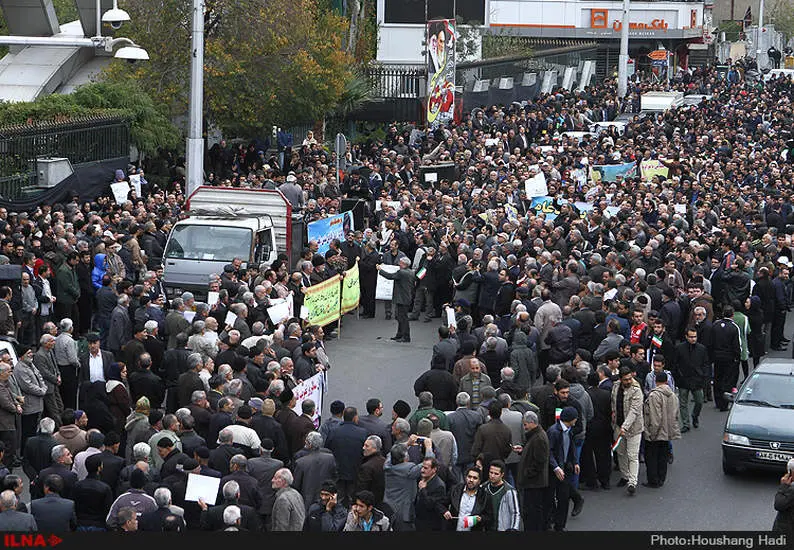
(131, 53)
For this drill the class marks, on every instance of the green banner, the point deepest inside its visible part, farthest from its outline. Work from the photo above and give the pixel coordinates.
(351, 291)
(322, 301)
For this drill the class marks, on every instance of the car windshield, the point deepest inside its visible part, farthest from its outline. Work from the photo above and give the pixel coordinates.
(768, 390)
(207, 242)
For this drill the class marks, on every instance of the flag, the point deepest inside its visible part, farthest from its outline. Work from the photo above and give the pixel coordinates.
(470, 521)
(748, 18)
(656, 341)
(616, 443)
(421, 273)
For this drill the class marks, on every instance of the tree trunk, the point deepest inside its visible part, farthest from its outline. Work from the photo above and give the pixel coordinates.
(352, 40)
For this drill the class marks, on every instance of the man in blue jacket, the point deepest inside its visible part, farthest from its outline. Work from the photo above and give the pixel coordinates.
(563, 465)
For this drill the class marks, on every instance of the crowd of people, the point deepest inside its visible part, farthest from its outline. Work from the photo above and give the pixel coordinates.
(583, 340)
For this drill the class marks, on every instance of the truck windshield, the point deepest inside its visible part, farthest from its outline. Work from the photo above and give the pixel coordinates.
(207, 242)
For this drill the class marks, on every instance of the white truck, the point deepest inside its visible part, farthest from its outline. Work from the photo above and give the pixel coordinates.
(225, 223)
(659, 102)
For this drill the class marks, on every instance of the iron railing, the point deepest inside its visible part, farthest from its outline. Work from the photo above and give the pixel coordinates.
(396, 81)
(82, 141)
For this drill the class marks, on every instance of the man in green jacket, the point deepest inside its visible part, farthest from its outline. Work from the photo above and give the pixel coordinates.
(68, 290)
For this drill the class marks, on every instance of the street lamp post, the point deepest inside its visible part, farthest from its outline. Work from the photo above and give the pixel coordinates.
(760, 49)
(195, 139)
(623, 59)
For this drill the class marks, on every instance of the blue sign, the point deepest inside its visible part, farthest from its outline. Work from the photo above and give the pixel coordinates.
(327, 229)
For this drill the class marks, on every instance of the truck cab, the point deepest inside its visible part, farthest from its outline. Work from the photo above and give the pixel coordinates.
(254, 225)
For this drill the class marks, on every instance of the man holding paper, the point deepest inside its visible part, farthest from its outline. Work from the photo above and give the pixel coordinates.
(403, 287)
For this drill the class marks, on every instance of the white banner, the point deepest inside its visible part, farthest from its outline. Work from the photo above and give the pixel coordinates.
(310, 389)
(385, 287)
(281, 309)
(120, 191)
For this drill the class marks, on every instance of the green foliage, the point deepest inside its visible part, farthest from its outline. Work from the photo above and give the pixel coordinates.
(150, 128)
(505, 44)
(782, 15)
(265, 61)
(731, 30)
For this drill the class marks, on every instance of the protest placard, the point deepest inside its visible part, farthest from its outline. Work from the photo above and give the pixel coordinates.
(384, 287)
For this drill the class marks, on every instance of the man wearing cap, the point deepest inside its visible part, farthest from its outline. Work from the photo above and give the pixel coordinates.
(403, 288)
(292, 191)
(563, 466)
(243, 435)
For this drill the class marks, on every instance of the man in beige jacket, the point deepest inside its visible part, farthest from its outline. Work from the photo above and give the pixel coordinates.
(628, 423)
(661, 426)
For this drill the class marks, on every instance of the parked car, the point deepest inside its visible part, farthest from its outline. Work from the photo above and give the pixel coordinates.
(759, 430)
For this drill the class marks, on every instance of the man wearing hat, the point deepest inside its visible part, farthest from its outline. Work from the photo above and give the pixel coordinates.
(326, 514)
(262, 469)
(95, 364)
(563, 466)
(292, 191)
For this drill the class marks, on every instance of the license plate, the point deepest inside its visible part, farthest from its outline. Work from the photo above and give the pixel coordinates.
(776, 457)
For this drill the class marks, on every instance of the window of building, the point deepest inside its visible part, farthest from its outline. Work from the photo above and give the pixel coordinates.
(413, 11)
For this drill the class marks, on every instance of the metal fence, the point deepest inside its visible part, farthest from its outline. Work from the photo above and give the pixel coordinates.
(81, 141)
(396, 81)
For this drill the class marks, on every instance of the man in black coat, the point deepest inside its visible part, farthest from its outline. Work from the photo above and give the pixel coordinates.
(262, 469)
(238, 471)
(533, 473)
(691, 374)
(144, 382)
(171, 456)
(267, 427)
(726, 354)
(53, 513)
(92, 496)
(212, 517)
(483, 504)
(563, 466)
(325, 514)
(446, 347)
(404, 280)
(106, 357)
(346, 442)
(219, 420)
(223, 453)
(596, 457)
(440, 382)
(373, 424)
(38, 449)
(62, 466)
(154, 521)
(431, 498)
(112, 464)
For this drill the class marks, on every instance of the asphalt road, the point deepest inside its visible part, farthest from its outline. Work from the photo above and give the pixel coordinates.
(697, 495)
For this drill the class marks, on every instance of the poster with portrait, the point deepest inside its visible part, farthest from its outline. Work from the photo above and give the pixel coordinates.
(441, 72)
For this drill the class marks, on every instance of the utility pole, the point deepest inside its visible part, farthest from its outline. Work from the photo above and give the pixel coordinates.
(195, 138)
(760, 43)
(623, 59)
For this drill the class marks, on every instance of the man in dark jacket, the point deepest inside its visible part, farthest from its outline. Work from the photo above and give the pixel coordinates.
(596, 457)
(493, 439)
(238, 471)
(431, 498)
(440, 382)
(533, 473)
(426, 286)
(92, 497)
(53, 513)
(373, 424)
(690, 372)
(316, 465)
(563, 465)
(346, 442)
(726, 354)
(403, 288)
(263, 468)
(446, 347)
(463, 423)
(560, 342)
(326, 514)
(144, 382)
(371, 476)
(478, 518)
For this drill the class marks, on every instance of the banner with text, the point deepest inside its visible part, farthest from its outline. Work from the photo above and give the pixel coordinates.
(610, 172)
(327, 229)
(351, 291)
(653, 167)
(313, 389)
(545, 205)
(322, 301)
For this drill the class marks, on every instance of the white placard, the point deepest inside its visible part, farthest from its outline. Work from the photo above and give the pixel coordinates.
(304, 314)
(536, 186)
(135, 180)
(212, 298)
(490, 142)
(385, 287)
(189, 315)
(230, 319)
(680, 208)
(310, 389)
(451, 318)
(431, 177)
(204, 487)
(391, 204)
(281, 311)
(120, 191)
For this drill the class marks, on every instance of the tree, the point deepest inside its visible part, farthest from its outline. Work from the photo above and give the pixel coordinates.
(265, 62)
(150, 128)
(782, 16)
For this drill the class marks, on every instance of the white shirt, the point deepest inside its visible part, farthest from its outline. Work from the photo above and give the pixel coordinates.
(243, 435)
(466, 506)
(95, 368)
(46, 309)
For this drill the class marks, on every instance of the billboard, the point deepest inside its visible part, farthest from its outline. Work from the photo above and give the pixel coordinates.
(441, 72)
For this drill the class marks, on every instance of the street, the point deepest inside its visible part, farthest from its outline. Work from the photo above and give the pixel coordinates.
(696, 496)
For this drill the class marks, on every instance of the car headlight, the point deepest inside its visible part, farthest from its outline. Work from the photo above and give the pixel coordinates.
(735, 439)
